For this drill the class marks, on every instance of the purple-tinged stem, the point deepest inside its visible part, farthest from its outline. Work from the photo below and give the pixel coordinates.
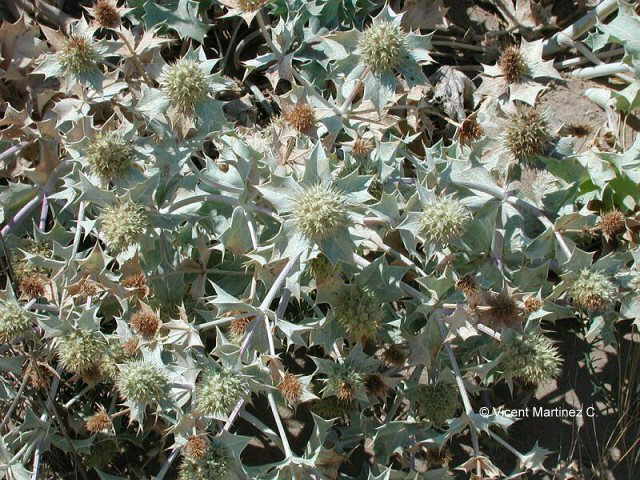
(21, 215)
(44, 212)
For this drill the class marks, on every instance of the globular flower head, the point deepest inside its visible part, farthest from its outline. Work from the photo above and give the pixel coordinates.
(301, 117)
(142, 382)
(79, 55)
(344, 382)
(145, 322)
(320, 211)
(106, 13)
(513, 65)
(251, 5)
(470, 130)
(362, 147)
(382, 46)
(196, 446)
(219, 391)
(123, 225)
(358, 311)
(330, 407)
(238, 326)
(532, 304)
(80, 350)
(185, 84)
(109, 155)
(99, 421)
(531, 358)
(374, 384)
(394, 355)
(526, 133)
(216, 463)
(437, 402)
(291, 388)
(137, 282)
(33, 286)
(444, 220)
(504, 310)
(592, 291)
(468, 286)
(131, 347)
(14, 320)
(613, 223)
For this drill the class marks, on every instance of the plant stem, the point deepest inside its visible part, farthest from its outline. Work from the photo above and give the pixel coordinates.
(167, 464)
(14, 404)
(603, 70)
(134, 55)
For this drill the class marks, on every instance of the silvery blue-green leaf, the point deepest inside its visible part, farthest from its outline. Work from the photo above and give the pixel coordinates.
(184, 19)
(379, 88)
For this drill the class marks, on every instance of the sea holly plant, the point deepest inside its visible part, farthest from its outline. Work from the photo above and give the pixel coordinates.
(285, 239)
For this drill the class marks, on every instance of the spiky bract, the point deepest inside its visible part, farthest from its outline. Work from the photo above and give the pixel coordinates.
(123, 225)
(382, 46)
(185, 84)
(109, 155)
(218, 392)
(437, 402)
(444, 220)
(79, 55)
(343, 381)
(592, 291)
(358, 311)
(14, 320)
(142, 382)
(531, 357)
(320, 211)
(80, 350)
(215, 464)
(526, 133)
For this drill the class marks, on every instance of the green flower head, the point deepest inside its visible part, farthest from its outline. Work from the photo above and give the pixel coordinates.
(437, 402)
(219, 391)
(382, 46)
(142, 382)
(79, 55)
(444, 220)
(526, 133)
(344, 382)
(531, 357)
(14, 320)
(215, 464)
(358, 311)
(80, 350)
(123, 225)
(109, 155)
(320, 211)
(592, 291)
(185, 84)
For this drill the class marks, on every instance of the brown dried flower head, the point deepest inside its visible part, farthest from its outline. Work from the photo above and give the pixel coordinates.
(196, 447)
(612, 223)
(504, 310)
(301, 117)
(470, 130)
(467, 285)
(145, 322)
(99, 421)
(532, 304)
(251, 5)
(362, 147)
(291, 388)
(106, 13)
(138, 283)
(394, 355)
(513, 65)
(238, 326)
(346, 392)
(130, 347)
(375, 385)
(38, 376)
(32, 285)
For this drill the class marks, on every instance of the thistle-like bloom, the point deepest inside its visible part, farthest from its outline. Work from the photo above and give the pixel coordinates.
(592, 291)
(123, 225)
(291, 388)
(362, 147)
(320, 212)
(14, 320)
(109, 155)
(343, 381)
(218, 392)
(612, 223)
(238, 326)
(301, 117)
(79, 351)
(533, 304)
(394, 355)
(444, 220)
(142, 382)
(215, 464)
(526, 133)
(196, 447)
(470, 130)
(358, 311)
(532, 358)
(330, 407)
(251, 5)
(79, 55)
(513, 65)
(383, 46)
(504, 310)
(437, 402)
(99, 421)
(106, 13)
(146, 323)
(185, 84)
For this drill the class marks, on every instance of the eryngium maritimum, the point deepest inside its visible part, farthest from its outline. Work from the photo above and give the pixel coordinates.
(357, 310)
(437, 402)
(592, 291)
(142, 382)
(184, 84)
(123, 225)
(79, 350)
(14, 320)
(78, 55)
(218, 392)
(109, 155)
(320, 211)
(382, 46)
(532, 358)
(527, 133)
(444, 220)
(215, 464)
